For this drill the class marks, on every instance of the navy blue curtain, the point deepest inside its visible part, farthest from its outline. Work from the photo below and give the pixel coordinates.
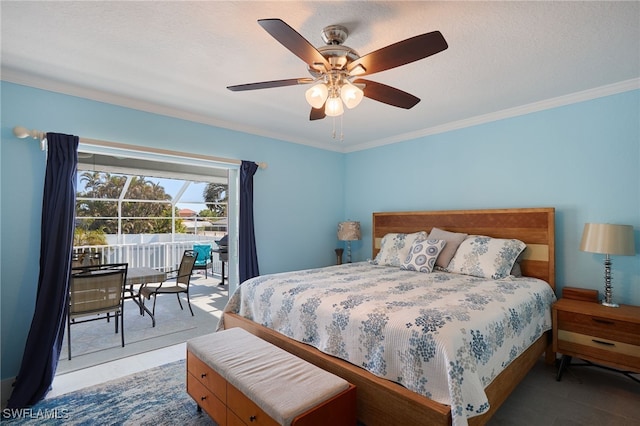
(248, 257)
(42, 349)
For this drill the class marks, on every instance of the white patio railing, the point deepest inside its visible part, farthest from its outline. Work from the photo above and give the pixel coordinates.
(163, 256)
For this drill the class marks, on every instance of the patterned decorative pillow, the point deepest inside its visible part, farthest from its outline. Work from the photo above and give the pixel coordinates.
(486, 257)
(453, 239)
(422, 255)
(395, 247)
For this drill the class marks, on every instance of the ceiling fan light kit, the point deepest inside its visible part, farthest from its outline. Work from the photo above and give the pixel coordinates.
(317, 95)
(351, 94)
(333, 107)
(336, 68)
(331, 95)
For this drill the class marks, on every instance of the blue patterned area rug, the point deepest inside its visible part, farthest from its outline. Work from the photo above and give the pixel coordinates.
(157, 396)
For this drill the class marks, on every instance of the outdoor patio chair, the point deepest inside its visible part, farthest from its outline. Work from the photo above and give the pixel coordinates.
(176, 283)
(205, 257)
(96, 292)
(76, 259)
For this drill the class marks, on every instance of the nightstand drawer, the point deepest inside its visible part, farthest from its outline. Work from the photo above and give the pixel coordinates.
(595, 326)
(597, 349)
(598, 343)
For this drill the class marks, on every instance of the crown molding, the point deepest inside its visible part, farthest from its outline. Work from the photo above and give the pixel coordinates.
(44, 83)
(573, 98)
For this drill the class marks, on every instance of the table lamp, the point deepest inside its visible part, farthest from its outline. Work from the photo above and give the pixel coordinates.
(349, 231)
(608, 239)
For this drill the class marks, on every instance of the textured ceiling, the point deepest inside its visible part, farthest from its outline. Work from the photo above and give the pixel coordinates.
(176, 58)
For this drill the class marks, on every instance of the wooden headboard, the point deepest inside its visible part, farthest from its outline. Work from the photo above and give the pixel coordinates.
(533, 226)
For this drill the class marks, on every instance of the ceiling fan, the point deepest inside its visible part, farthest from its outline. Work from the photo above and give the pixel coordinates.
(336, 69)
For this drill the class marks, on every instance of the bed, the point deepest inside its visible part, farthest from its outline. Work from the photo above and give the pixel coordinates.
(383, 401)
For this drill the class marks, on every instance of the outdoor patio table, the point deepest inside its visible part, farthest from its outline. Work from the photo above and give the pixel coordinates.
(142, 275)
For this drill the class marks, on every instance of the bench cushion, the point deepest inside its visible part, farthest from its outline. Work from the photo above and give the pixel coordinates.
(283, 385)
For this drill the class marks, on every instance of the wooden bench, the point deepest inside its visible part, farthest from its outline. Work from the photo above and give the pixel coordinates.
(240, 379)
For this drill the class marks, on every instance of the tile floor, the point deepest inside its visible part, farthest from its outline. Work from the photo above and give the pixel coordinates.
(586, 396)
(69, 382)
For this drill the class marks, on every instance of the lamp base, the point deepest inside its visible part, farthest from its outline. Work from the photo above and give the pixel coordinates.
(608, 289)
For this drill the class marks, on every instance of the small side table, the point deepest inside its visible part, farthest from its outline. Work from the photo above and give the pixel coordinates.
(602, 336)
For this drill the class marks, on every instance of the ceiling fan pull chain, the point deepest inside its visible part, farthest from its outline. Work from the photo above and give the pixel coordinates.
(333, 133)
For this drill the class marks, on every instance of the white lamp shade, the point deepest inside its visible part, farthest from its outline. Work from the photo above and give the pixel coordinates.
(351, 95)
(317, 95)
(333, 107)
(349, 231)
(605, 238)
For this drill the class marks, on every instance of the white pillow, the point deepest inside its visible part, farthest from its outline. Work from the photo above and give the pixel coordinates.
(486, 257)
(395, 247)
(422, 255)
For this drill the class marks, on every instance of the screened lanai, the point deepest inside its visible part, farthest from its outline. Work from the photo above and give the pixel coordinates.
(145, 212)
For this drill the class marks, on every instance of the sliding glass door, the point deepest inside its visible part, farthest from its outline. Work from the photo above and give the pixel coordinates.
(146, 208)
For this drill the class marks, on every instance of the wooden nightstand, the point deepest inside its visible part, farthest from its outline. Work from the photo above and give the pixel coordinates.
(598, 334)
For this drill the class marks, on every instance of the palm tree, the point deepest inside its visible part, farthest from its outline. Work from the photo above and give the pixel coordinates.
(216, 195)
(106, 190)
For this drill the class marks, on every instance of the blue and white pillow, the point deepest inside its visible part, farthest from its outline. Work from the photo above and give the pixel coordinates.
(394, 248)
(422, 255)
(486, 257)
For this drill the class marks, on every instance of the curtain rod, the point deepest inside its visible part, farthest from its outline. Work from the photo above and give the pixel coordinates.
(22, 133)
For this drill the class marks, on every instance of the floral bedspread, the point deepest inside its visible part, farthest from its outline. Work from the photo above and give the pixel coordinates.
(445, 336)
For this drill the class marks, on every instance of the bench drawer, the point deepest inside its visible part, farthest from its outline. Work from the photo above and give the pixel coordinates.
(246, 410)
(233, 420)
(207, 376)
(206, 400)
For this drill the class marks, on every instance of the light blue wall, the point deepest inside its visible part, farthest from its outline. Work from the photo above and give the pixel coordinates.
(298, 198)
(582, 159)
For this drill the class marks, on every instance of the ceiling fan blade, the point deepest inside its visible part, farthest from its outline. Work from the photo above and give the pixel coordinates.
(270, 84)
(293, 41)
(317, 113)
(387, 94)
(400, 53)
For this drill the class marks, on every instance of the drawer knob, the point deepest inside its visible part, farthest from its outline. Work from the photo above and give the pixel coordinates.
(202, 398)
(252, 418)
(203, 375)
